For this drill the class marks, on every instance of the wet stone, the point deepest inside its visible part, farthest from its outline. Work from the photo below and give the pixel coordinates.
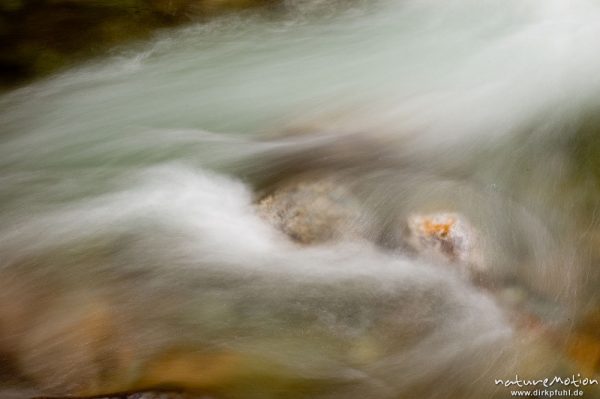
(446, 237)
(315, 211)
(158, 395)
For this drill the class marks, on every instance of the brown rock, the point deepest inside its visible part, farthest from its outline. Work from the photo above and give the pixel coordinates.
(317, 210)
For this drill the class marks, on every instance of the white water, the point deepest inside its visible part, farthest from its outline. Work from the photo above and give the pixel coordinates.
(129, 182)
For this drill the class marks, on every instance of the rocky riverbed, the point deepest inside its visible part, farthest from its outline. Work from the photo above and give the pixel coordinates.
(383, 199)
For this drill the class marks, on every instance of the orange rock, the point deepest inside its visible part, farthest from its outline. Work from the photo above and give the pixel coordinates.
(584, 349)
(190, 369)
(446, 237)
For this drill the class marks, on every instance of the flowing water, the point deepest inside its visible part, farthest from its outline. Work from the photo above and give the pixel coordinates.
(132, 255)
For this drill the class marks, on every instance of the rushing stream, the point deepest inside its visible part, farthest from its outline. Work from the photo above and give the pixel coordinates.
(132, 255)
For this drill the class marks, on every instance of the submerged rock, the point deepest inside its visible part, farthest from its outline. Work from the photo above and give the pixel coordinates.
(313, 211)
(446, 237)
(319, 209)
(158, 395)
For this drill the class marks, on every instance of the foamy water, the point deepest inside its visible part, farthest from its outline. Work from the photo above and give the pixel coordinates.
(128, 186)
